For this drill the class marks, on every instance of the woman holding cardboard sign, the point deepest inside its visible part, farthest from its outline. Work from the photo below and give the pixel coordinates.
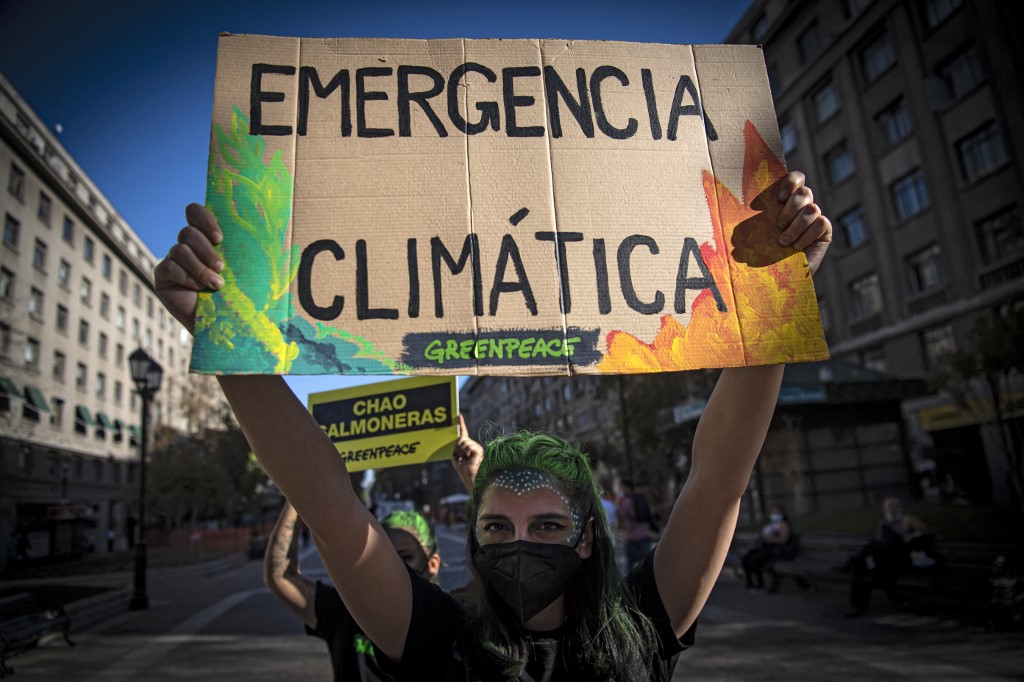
(552, 606)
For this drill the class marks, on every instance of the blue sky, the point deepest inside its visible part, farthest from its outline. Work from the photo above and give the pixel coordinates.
(131, 81)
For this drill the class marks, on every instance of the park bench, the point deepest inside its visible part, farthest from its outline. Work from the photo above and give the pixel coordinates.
(23, 622)
(963, 579)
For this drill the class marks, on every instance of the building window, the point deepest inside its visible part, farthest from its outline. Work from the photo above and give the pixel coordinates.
(760, 28)
(12, 231)
(938, 342)
(855, 7)
(85, 292)
(57, 412)
(35, 303)
(925, 270)
(160, 351)
(63, 273)
(788, 133)
(877, 58)
(80, 372)
(5, 339)
(1001, 236)
(31, 353)
(103, 345)
(825, 314)
(16, 183)
(45, 208)
(962, 73)
(137, 296)
(910, 195)
(149, 338)
(83, 333)
(774, 82)
(119, 320)
(122, 282)
(840, 164)
(118, 392)
(826, 103)
(894, 123)
(62, 318)
(106, 266)
(874, 359)
(119, 354)
(39, 256)
(865, 296)
(101, 385)
(135, 330)
(69, 231)
(981, 152)
(89, 249)
(6, 284)
(936, 11)
(808, 43)
(59, 364)
(149, 307)
(104, 306)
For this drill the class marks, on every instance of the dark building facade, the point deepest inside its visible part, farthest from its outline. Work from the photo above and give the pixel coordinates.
(905, 116)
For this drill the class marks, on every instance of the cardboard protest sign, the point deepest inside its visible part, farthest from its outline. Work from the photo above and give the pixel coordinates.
(497, 207)
(390, 423)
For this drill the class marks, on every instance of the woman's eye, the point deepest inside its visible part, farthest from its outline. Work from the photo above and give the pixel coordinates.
(552, 526)
(494, 527)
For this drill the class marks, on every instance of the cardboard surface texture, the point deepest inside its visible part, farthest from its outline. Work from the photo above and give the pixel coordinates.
(514, 207)
(390, 423)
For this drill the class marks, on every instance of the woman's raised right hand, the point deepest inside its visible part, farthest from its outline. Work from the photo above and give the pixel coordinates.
(191, 266)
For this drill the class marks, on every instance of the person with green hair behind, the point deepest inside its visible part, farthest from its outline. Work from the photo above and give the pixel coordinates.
(552, 606)
(318, 605)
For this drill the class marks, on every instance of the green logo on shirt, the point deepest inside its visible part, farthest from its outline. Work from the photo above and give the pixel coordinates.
(362, 645)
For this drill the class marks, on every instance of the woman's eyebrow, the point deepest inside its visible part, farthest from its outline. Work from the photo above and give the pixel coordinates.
(551, 516)
(492, 517)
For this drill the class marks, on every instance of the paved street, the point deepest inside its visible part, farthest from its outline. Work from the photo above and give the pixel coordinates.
(225, 625)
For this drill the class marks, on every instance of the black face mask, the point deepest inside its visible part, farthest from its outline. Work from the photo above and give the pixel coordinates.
(527, 575)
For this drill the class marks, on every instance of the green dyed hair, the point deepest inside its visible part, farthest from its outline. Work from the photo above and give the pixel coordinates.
(414, 523)
(605, 636)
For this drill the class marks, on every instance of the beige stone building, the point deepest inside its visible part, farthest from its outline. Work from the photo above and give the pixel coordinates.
(905, 116)
(76, 299)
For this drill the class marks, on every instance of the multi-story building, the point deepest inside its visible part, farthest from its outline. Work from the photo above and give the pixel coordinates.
(76, 299)
(905, 116)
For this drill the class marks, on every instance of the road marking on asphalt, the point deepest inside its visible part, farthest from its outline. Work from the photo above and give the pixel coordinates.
(134, 665)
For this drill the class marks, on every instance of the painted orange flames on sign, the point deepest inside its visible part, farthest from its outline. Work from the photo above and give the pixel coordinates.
(773, 314)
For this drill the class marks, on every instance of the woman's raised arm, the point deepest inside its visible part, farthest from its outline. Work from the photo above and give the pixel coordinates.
(729, 437)
(367, 572)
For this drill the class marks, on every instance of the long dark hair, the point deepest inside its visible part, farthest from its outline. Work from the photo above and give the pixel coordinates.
(604, 637)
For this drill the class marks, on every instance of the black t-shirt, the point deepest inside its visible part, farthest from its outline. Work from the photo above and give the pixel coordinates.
(437, 620)
(352, 652)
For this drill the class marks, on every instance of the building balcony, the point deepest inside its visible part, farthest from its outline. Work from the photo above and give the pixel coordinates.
(925, 301)
(865, 325)
(1003, 274)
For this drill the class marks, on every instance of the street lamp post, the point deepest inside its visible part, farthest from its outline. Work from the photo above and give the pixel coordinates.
(146, 373)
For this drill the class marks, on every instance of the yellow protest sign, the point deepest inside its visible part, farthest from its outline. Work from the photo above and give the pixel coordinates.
(392, 423)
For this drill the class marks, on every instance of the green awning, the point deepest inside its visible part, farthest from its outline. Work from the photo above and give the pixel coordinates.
(104, 420)
(119, 424)
(36, 398)
(83, 415)
(7, 386)
(134, 431)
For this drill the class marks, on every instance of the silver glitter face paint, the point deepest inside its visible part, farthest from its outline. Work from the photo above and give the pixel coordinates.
(524, 480)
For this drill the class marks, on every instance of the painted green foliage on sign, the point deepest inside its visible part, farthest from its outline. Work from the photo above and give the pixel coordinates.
(253, 314)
